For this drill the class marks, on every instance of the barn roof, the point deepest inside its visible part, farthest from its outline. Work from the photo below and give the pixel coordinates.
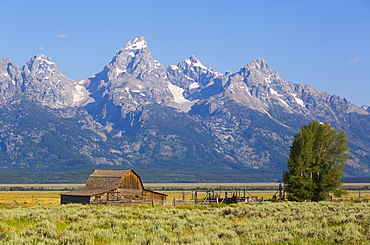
(100, 181)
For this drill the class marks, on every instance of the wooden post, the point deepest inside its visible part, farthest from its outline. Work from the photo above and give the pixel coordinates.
(183, 195)
(153, 202)
(174, 202)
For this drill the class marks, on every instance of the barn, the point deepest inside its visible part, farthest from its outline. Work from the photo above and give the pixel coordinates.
(112, 187)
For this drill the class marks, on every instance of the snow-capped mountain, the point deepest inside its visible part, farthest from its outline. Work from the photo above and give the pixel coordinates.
(182, 120)
(198, 81)
(132, 79)
(41, 80)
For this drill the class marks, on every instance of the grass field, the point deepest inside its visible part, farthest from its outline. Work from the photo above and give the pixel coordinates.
(258, 223)
(35, 217)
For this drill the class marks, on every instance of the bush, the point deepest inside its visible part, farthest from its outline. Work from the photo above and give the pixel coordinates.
(267, 223)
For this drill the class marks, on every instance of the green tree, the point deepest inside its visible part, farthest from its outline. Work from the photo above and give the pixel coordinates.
(315, 163)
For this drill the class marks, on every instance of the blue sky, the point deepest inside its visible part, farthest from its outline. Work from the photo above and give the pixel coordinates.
(322, 43)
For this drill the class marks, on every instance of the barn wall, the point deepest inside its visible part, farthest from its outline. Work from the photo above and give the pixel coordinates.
(75, 199)
(131, 181)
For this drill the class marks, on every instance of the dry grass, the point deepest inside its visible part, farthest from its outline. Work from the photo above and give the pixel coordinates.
(29, 198)
(260, 223)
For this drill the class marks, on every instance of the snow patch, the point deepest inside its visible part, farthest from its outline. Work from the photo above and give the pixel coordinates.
(245, 90)
(268, 114)
(131, 54)
(283, 101)
(298, 100)
(194, 85)
(189, 78)
(272, 91)
(177, 93)
(40, 57)
(79, 94)
(173, 67)
(157, 64)
(129, 95)
(135, 45)
(200, 65)
(119, 71)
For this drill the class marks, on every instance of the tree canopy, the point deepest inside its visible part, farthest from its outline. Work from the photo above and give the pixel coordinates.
(315, 163)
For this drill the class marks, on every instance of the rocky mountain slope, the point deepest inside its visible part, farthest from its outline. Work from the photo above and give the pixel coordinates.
(186, 123)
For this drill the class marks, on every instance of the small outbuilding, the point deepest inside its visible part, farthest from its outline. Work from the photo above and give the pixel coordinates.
(112, 187)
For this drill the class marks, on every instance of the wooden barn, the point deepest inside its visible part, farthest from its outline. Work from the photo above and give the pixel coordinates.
(112, 187)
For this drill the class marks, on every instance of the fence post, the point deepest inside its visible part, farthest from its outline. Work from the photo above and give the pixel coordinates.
(174, 202)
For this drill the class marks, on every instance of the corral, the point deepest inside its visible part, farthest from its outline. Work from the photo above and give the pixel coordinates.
(112, 187)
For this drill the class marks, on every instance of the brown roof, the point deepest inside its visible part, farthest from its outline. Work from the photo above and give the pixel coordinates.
(101, 181)
(110, 173)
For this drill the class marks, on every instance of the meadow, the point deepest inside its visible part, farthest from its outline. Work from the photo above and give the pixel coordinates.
(35, 217)
(258, 223)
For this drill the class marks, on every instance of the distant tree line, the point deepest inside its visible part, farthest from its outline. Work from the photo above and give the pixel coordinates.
(356, 179)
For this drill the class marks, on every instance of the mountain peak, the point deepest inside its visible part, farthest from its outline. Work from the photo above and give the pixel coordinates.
(133, 58)
(138, 43)
(194, 61)
(259, 64)
(258, 68)
(41, 66)
(41, 58)
(5, 63)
